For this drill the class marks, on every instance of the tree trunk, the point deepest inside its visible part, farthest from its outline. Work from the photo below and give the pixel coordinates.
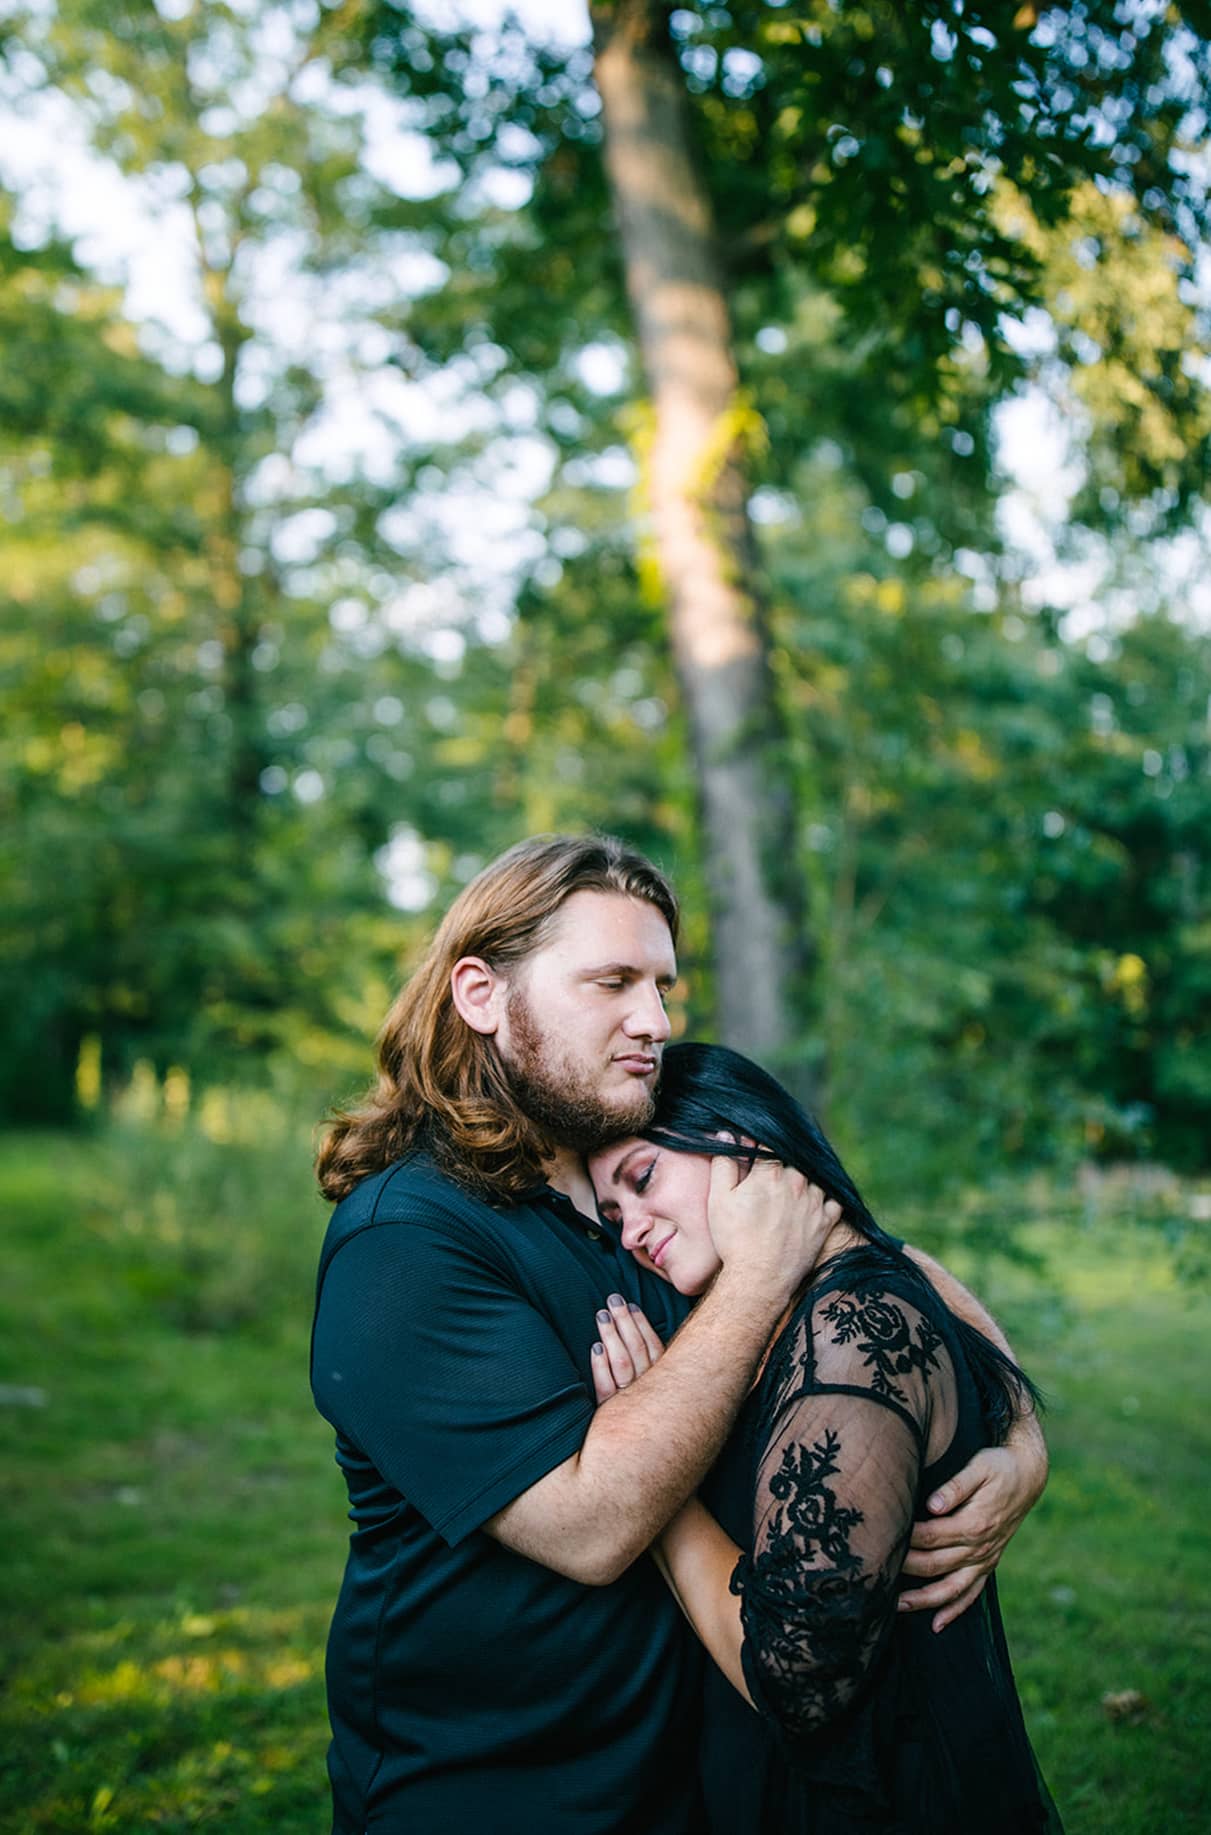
(234, 605)
(698, 496)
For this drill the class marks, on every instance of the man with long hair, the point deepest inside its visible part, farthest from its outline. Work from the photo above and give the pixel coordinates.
(500, 1658)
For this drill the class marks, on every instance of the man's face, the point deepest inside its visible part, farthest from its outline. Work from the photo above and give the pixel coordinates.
(584, 1023)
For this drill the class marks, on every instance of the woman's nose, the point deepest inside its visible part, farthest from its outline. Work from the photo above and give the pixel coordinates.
(635, 1226)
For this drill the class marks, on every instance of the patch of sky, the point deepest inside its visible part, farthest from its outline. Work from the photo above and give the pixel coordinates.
(300, 539)
(613, 469)
(771, 508)
(602, 367)
(410, 886)
(742, 70)
(552, 21)
(700, 63)
(308, 786)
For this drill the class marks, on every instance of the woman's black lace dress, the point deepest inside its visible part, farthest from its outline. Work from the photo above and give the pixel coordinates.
(867, 1720)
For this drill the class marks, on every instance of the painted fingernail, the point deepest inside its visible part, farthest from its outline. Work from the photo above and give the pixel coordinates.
(634, 1307)
(599, 1350)
(616, 1299)
(603, 1318)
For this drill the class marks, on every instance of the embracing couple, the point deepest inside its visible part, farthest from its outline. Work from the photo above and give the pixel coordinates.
(677, 1483)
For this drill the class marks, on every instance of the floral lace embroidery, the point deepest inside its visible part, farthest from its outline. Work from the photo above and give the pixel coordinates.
(812, 1511)
(890, 1348)
(819, 1587)
(813, 1619)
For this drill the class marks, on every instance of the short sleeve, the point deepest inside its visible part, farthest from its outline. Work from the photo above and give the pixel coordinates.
(431, 1362)
(839, 1461)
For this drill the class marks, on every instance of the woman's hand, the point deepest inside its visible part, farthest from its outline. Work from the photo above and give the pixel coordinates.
(627, 1346)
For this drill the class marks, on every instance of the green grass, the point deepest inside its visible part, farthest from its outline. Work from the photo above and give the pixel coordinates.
(175, 1526)
(1107, 1589)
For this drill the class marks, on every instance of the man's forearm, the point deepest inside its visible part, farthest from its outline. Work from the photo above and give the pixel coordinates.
(960, 1299)
(650, 1446)
(1025, 1435)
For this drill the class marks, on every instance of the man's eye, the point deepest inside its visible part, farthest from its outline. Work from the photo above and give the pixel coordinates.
(612, 985)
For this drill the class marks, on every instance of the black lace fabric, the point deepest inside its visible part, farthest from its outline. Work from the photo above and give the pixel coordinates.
(846, 1432)
(867, 1719)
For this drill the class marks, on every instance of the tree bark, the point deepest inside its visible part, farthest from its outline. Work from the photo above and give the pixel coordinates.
(698, 495)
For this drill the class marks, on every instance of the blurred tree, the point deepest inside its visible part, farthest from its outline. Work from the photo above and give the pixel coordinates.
(84, 417)
(249, 649)
(916, 182)
(697, 488)
(209, 573)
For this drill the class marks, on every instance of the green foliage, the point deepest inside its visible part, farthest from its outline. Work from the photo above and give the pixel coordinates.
(1003, 830)
(190, 668)
(898, 194)
(234, 664)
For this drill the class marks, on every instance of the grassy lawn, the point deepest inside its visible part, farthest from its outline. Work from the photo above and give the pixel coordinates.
(1108, 1587)
(175, 1526)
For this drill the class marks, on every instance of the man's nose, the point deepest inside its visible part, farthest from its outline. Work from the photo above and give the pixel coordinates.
(648, 1018)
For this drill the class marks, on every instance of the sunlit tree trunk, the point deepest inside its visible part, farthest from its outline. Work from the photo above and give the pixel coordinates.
(237, 621)
(698, 493)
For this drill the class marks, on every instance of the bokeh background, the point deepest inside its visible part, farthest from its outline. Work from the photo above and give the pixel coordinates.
(776, 432)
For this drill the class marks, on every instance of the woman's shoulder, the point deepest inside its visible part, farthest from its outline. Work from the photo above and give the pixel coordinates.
(868, 1323)
(873, 1271)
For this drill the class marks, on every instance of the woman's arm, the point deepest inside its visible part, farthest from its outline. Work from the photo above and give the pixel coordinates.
(695, 1556)
(796, 1623)
(698, 1559)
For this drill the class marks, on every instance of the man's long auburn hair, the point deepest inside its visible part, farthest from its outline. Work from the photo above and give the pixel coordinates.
(442, 1084)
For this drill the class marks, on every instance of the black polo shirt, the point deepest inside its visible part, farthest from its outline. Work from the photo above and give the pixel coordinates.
(471, 1688)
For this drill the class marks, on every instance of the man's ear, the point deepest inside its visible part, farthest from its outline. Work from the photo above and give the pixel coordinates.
(478, 993)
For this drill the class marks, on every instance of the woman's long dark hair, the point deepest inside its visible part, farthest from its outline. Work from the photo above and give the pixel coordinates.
(708, 1089)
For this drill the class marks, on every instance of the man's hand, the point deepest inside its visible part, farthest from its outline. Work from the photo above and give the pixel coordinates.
(767, 1222)
(973, 1517)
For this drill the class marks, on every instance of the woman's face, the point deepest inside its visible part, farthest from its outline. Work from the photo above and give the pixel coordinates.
(660, 1200)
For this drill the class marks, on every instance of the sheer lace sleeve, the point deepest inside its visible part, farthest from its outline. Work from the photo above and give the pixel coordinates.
(859, 1391)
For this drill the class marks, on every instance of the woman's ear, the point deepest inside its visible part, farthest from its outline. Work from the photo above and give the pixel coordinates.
(478, 993)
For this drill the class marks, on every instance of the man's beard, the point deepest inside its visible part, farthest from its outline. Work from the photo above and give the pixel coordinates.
(559, 1096)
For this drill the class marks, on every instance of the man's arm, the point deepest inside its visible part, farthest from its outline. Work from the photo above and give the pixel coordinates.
(979, 1510)
(594, 1514)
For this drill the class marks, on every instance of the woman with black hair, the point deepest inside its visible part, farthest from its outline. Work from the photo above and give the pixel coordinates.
(872, 1394)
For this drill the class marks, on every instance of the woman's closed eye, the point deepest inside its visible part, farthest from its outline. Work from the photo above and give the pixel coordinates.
(643, 1178)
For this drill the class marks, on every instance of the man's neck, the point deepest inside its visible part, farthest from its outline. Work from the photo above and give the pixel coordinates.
(566, 1173)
